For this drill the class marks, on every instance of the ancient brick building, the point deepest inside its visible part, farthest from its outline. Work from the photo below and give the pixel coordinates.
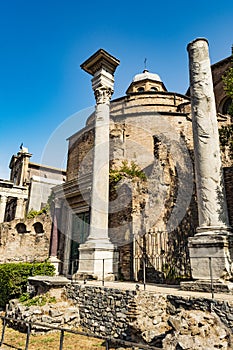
(25, 238)
(152, 207)
(28, 188)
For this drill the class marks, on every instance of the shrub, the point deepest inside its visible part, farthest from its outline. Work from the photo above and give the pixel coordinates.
(39, 300)
(14, 276)
(131, 171)
(33, 213)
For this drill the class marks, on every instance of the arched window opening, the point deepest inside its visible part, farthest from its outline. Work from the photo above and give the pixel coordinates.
(141, 89)
(226, 106)
(38, 227)
(21, 227)
(153, 88)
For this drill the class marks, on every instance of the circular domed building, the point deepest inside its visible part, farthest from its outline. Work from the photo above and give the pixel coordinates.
(145, 144)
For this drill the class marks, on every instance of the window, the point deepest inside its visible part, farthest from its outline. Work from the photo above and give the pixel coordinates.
(21, 228)
(153, 88)
(141, 89)
(226, 106)
(38, 227)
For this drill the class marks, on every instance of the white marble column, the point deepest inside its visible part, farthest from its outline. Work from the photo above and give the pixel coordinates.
(213, 238)
(100, 183)
(212, 208)
(3, 201)
(98, 246)
(54, 237)
(20, 209)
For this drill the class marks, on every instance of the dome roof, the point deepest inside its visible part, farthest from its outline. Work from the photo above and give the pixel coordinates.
(146, 75)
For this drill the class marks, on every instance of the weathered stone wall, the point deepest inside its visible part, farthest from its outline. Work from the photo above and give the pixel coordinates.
(198, 323)
(103, 311)
(25, 240)
(80, 145)
(149, 205)
(168, 322)
(59, 314)
(218, 70)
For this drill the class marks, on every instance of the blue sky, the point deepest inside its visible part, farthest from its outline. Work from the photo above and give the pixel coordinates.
(43, 43)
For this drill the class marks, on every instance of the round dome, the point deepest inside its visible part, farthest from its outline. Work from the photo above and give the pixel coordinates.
(146, 75)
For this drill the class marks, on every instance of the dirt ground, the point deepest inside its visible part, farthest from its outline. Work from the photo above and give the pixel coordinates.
(16, 340)
(50, 341)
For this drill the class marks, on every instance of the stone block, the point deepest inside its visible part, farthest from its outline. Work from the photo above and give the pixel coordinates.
(205, 286)
(211, 254)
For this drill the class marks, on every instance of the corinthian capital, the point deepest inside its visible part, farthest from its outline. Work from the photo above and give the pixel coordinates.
(103, 95)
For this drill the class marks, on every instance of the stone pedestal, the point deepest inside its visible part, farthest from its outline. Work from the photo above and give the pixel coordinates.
(96, 262)
(211, 256)
(205, 286)
(98, 247)
(211, 249)
(56, 263)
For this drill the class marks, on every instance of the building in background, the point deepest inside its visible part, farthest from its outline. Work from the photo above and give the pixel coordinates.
(28, 188)
(24, 229)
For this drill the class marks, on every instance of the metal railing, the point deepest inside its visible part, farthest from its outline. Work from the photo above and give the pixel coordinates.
(108, 340)
(210, 261)
(74, 267)
(144, 280)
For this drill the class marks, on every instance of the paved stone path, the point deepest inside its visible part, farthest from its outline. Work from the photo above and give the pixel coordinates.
(161, 289)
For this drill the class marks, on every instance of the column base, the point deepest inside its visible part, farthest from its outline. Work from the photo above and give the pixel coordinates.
(56, 263)
(207, 287)
(97, 260)
(211, 256)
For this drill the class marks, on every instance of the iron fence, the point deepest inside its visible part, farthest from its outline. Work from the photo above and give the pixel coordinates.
(163, 272)
(168, 276)
(166, 259)
(75, 262)
(108, 340)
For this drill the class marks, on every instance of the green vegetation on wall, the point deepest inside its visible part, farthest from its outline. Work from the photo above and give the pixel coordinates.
(228, 86)
(14, 276)
(39, 300)
(126, 170)
(33, 213)
(226, 138)
(46, 210)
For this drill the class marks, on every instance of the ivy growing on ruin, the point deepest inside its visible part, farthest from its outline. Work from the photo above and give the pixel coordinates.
(127, 170)
(226, 138)
(228, 86)
(33, 213)
(226, 132)
(45, 210)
